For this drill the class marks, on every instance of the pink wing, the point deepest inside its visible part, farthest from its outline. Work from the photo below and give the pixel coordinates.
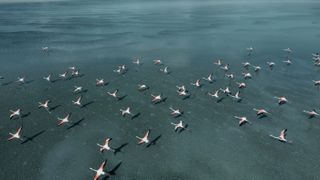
(140, 142)
(10, 138)
(96, 177)
(283, 133)
(103, 165)
(60, 123)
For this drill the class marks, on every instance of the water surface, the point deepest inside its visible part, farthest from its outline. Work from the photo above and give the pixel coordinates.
(187, 36)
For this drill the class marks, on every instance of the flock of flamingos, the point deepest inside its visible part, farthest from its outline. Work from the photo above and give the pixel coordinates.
(182, 91)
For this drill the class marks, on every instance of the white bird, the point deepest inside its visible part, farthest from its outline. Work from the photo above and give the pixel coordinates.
(288, 50)
(281, 137)
(15, 135)
(45, 49)
(44, 105)
(157, 62)
(126, 111)
(218, 62)
(48, 78)
(316, 58)
(316, 61)
(281, 100)
(312, 113)
(73, 68)
(246, 64)
(209, 78)
(197, 83)
(105, 146)
(165, 70)
(77, 89)
(175, 112)
(241, 85)
(261, 112)
(78, 101)
(226, 90)
(242, 120)
(315, 55)
(142, 87)
(144, 139)
(247, 75)
(236, 96)
(114, 94)
(271, 64)
(75, 73)
(316, 83)
(64, 75)
(63, 120)
(100, 171)
(156, 98)
(21, 80)
(288, 62)
(256, 68)
(179, 125)
(137, 62)
(100, 82)
(216, 94)
(183, 93)
(119, 71)
(15, 113)
(225, 67)
(123, 67)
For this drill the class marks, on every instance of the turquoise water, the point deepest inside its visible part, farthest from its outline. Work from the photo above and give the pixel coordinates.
(97, 36)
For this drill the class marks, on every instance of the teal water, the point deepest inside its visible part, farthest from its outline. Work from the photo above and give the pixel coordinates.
(97, 36)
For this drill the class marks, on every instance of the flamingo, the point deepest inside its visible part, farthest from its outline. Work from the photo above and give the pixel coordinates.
(64, 120)
(105, 146)
(100, 171)
(242, 120)
(15, 113)
(281, 137)
(261, 112)
(281, 100)
(175, 112)
(179, 125)
(15, 135)
(312, 113)
(144, 139)
(216, 94)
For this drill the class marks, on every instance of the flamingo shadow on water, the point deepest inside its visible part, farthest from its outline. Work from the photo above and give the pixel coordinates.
(118, 149)
(112, 172)
(122, 97)
(154, 141)
(135, 116)
(87, 104)
(77, 123)
(54, 107)
(31, 138)
(24, 115)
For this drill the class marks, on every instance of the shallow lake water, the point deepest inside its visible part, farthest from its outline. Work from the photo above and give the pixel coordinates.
(188, 36)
